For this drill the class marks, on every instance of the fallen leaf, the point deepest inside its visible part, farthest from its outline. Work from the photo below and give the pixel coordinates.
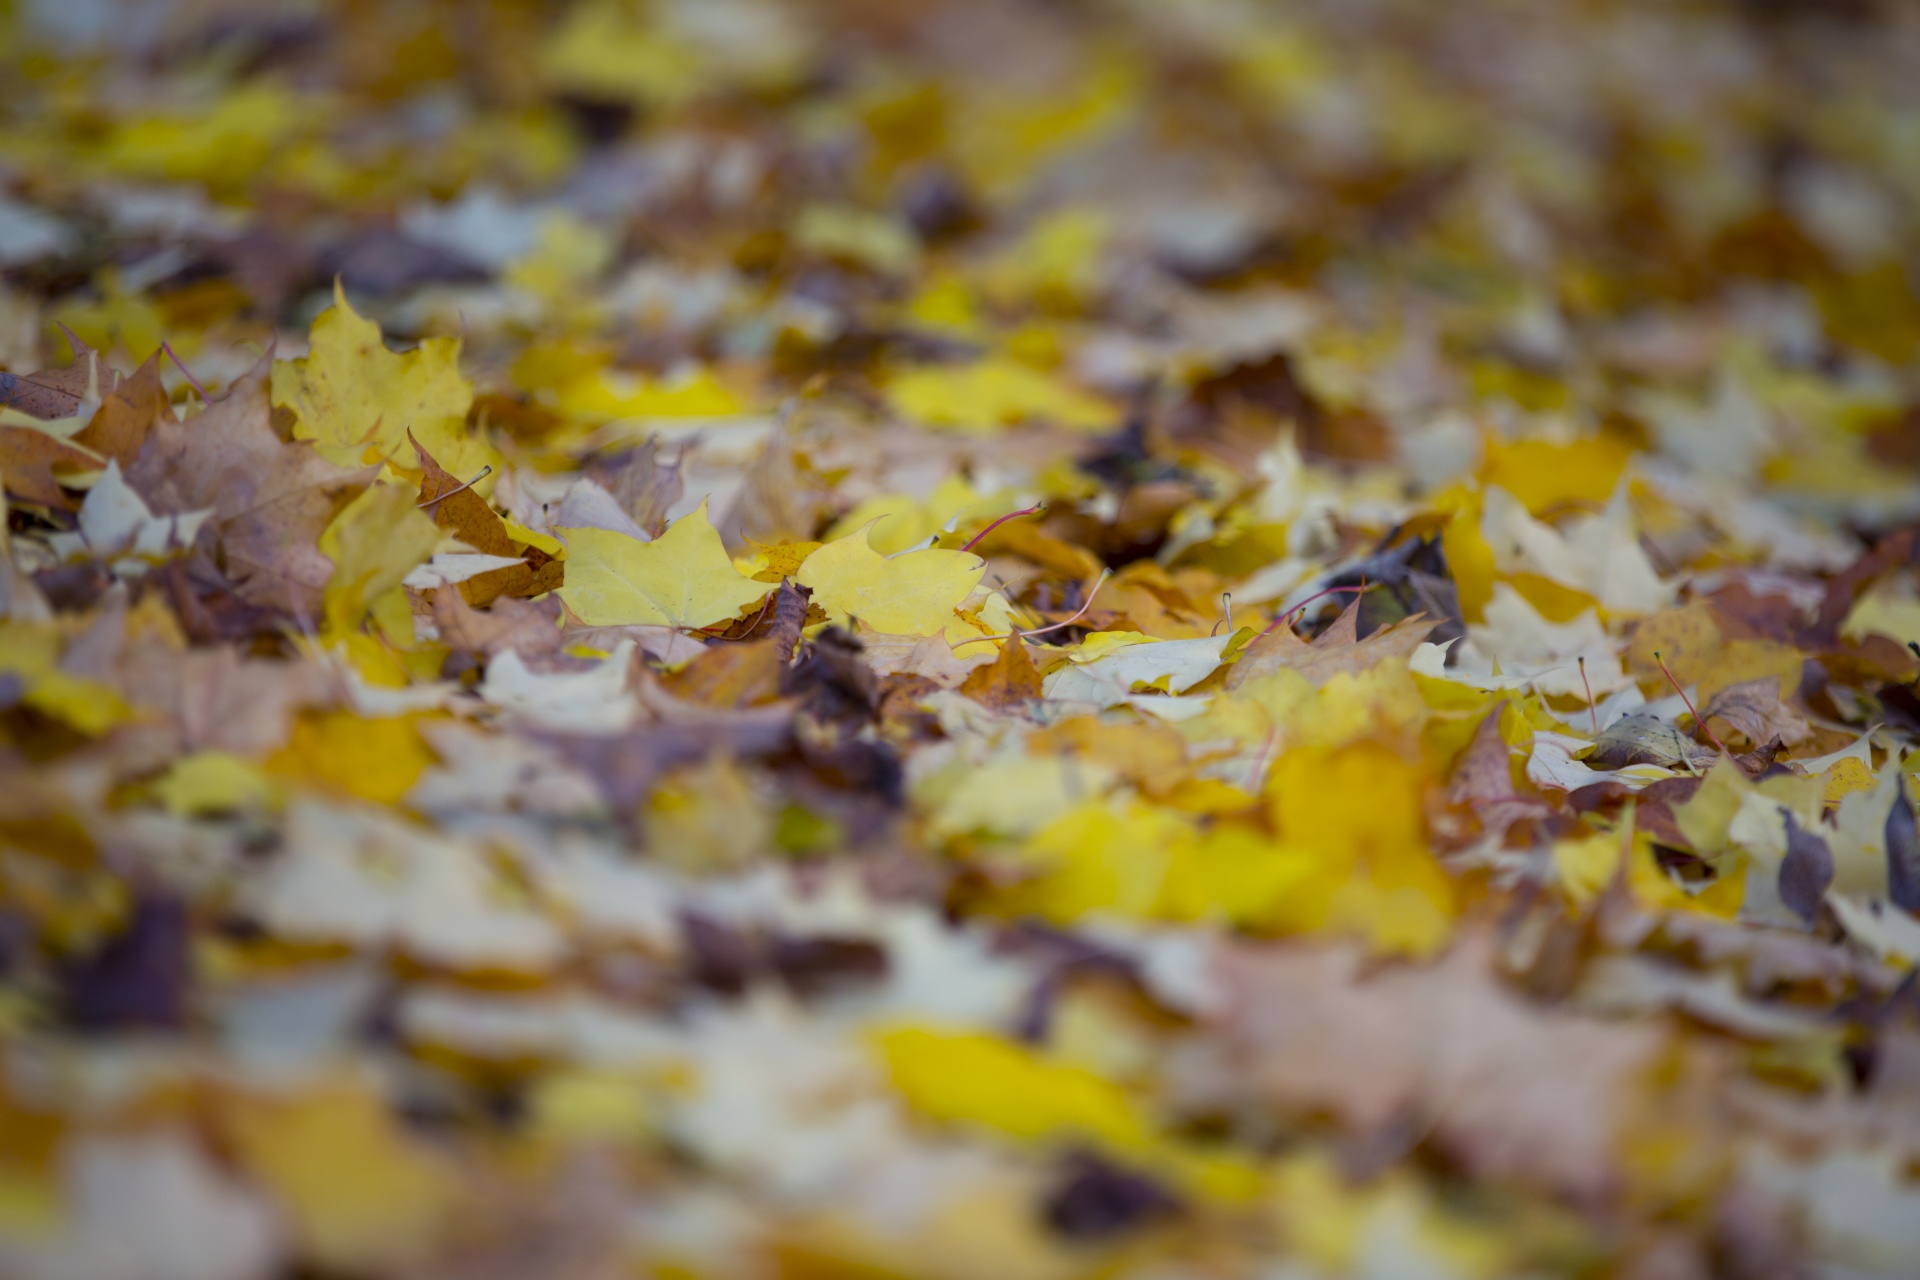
(456, 508)
(1333, 651)
(914, 593)
(1754, 708)
(28, 457)
(1012, 681)
(1903, 852)
(507, 624)
(359, 402)
(119, 426)
(683, 578)
(1510, 1091)
(116, 526)
(1644, 739)
(1805, 872)
(1109, 674)
(271, 500)
(1483, 781)
(373, 543)
(359, 1188)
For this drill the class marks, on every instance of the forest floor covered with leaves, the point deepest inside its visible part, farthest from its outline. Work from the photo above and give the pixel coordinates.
(1027, 640)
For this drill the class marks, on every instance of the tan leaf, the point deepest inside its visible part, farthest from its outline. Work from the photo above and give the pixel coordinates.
(1333, 651)
(1754, 708)
(120, 425)
(271, 499)
(1012, 681)
(1513, 1091)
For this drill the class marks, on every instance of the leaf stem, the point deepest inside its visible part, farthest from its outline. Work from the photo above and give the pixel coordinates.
(484, 473)
(974, 541)
(191, 380)
(1690, 707)
(1309, 600)
(1040, 631)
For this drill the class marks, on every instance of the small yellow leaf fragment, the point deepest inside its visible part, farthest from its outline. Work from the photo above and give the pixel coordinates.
(984, 1081)
(356, 1187)
(683, 578)
(605, 395)
(374, 759)
(577, 1104)
(994, 393)
(909, 595)
(1844, 778)
(209, 782)
(30, 653)
(1587, 865)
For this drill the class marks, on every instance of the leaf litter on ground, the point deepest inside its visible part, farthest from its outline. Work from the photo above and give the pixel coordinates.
(816, 639)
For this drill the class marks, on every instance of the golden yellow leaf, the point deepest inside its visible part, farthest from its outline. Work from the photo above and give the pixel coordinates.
(357, 401)
(374, 759)
(375, 541)
(994, 393)
(683, 578)
(357, 1187)
(974, 1079)
(209, 782)
(913, 594)
(1546, 475)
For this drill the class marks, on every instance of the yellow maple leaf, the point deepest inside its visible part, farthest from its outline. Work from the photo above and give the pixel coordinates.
(993, 393)
(603, 395)
(374, 759)
(909, 595)
(1355, 812)
(683, 578)
(906, 521)
(351, 396)
(374, 543)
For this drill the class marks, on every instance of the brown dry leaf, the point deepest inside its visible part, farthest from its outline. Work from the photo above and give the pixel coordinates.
(214, 697)
(459, 509)
(523, 626)
(27, 461)
(1515, 1092)
(1483, 781)
(1754, 708)
(36, 398)
(1332, 652)
(729, 675)
(270, 499)
(1011, 682)
(120, 425)
(58, 393)
(645, 487)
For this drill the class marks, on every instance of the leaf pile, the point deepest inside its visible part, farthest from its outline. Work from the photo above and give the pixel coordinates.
(814, 638)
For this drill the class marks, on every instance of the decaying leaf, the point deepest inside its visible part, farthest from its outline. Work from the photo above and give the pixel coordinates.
(761, 694)
(1754, 708)
(270, 499)
(1011, 681)
(1805, 871)
(1903, 852)
(1331, 652)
